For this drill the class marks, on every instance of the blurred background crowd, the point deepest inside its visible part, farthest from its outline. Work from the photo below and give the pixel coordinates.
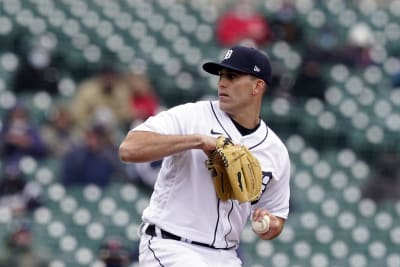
(76, 75)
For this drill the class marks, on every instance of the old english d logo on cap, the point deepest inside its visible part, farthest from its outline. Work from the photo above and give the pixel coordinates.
(228, 54)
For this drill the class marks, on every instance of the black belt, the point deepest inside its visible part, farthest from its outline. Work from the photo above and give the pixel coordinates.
(151, 230)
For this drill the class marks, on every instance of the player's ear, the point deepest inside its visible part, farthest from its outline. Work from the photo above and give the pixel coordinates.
(258, 86)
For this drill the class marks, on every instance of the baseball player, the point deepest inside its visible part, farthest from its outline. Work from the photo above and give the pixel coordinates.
(186, 224)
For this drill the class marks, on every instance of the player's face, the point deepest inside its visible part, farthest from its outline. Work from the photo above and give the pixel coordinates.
(234, 90)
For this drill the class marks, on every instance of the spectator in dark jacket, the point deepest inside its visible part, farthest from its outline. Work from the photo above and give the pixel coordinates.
(20, 137)
(93, 161)
(309, 82)
(384, 185)
(18, 193)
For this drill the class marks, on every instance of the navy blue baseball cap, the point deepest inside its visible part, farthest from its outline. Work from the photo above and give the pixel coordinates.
(243, 59)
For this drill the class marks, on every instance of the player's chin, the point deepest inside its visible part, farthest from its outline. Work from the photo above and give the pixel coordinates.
(225, 100)
(224, 105)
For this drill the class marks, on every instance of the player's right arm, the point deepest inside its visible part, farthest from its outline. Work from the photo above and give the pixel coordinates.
(142, 146)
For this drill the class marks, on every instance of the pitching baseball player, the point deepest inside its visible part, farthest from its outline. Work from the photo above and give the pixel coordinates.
(186, 224)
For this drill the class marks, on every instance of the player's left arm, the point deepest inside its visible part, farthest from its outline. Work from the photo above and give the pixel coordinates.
(275, 226)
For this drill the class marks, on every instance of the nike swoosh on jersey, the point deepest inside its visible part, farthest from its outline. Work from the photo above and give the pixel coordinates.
(214, 132)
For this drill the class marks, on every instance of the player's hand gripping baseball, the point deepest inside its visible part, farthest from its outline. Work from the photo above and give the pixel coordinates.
(275, 223)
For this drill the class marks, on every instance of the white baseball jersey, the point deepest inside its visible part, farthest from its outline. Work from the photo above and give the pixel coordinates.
(184, 201)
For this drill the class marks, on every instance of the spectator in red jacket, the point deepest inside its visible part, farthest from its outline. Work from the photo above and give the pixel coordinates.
(240, 23)
(144, 100)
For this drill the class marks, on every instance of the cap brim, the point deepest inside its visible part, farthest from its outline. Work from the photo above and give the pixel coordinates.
(215, 68)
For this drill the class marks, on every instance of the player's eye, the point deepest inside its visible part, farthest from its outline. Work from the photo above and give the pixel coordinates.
(228, 75)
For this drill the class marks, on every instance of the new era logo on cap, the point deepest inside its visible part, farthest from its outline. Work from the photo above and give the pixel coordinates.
(243, 59)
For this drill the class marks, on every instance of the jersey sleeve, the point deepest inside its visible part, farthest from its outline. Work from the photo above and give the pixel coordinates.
(171, 121)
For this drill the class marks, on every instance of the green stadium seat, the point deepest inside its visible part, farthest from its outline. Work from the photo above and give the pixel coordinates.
(42, 216)
(357, 259)
(44, 175)
(6, 218)
(131, 231)
(82, 216)
(339, 250)
(316, 194)
(91, 194)
(56, 229)
(330, 208)
(352, 194)
(141, 204)
(319, 259)
(302, 249)
(394, 235)
(129, 193)
(56, 192)
(84, 256)
(107, 206)
(309, 221)
(57, 263)
(373, 75)
(392, 259)
(121, 218)
(95, 231)
(281, 259)
(68, 243)
(346, 220)
(288, 236)
(69, 205)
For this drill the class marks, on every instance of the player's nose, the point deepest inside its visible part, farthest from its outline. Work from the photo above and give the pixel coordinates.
(222, 82)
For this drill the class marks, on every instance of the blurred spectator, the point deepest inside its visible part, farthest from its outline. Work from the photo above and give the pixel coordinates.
(114, 254)
(282, 81)
(325, 47)
(59, 131)
(284, 26)
(309, 82)
(103, 98)
(36, 71)
(20, 137)
(144, 101)
(20, 251)
(385, 184)
(17, 193)
(242, 22)
(356, 51)
(396, 80)
(93, 160)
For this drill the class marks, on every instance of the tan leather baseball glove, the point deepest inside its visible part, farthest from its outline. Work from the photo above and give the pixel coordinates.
(235, 171)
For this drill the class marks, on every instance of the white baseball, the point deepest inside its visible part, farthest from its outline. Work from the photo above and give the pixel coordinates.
(261, 227)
